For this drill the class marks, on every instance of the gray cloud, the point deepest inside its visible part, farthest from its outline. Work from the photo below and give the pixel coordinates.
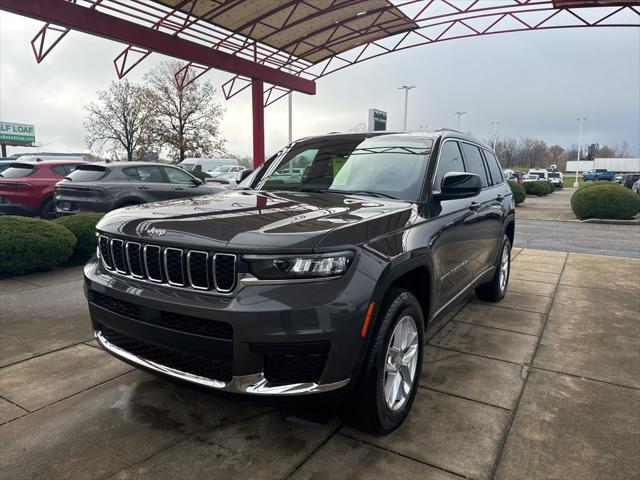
(535, 83)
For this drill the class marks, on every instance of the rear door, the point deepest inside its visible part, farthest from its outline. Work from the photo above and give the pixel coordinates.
(149, 183)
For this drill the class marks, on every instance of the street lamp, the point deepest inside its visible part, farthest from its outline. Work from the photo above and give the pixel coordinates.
(495, 134)
(406, 89)
(459, 116)
(580, 123)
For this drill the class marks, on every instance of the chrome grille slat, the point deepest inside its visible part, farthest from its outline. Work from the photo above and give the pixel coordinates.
(153, 263)
(196, 278)
(171, 266)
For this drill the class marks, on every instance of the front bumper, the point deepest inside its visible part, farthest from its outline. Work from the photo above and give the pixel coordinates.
(268, 322)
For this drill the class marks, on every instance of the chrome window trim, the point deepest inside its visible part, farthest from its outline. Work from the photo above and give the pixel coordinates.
(235, 272)
(166, 269)
(113, 258)
(206, 266)
(255, 384)
(104, 263)
(146, 264)
(126, 248)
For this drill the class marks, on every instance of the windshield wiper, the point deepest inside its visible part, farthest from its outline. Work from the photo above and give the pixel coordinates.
(365, 192)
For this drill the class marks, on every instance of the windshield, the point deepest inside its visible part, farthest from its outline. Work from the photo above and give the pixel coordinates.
(379, 166)
(187, 166)
(554, 175)
(87, 173)
(18, 170)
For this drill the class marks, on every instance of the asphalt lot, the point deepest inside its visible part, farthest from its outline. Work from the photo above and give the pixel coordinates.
(544, 385)
(548, 223)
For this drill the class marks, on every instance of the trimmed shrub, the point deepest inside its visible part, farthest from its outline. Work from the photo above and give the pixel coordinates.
(518, 192)
(605, 201)
(201, 175)
(83, 226)
(552, 187)
(31, 244)
(595, 183)
(539, 188)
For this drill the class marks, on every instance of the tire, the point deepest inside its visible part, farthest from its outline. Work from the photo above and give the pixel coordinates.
(495, 290)
(368, 408)
(48, 211)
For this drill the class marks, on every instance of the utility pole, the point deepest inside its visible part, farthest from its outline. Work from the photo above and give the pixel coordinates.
(406, 89)
(495, 134)
(580, 122)
(459, 116)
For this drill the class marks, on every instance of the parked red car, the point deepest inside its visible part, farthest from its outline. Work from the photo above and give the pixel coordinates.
(26, 188)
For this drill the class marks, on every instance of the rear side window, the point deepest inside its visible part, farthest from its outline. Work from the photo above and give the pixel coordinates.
(450, 161)
(19, 170)
(145, 174)
(475, 164)
(494, 167)
(63, 170)
(87, 173)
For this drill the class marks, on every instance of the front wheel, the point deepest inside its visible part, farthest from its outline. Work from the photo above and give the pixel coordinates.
(389, 380)
(48, 210)
(495, 290)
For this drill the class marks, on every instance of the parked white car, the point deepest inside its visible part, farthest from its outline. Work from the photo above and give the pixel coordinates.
(206, 164)
(541, 173)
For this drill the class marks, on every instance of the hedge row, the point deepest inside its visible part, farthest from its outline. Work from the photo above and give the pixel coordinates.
(605, 200)
(518, 192)
(539, 188)
(33, 244)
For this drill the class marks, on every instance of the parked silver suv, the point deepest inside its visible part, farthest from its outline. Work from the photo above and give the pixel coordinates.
(102, 186)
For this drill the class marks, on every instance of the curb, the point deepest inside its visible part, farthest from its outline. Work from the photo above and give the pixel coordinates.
(633, 221)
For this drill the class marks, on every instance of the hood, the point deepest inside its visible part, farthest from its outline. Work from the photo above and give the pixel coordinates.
(259, 221)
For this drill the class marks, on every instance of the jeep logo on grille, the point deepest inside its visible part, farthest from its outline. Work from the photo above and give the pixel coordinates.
(158, 232)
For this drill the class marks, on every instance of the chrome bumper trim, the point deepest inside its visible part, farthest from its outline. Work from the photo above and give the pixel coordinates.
(255, 384)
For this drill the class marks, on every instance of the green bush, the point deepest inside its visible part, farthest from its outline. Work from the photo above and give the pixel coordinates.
(83, 226)
(31, 244)
(605, 201)
(539, 188)
(201, 175)
(552, 187)
(595, 184)
(518, 192)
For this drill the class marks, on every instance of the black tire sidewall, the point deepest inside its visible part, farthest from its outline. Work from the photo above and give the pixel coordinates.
(401, 303)
(49, 205)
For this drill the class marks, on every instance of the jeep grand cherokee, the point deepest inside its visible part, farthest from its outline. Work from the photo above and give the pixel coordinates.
(318, 274)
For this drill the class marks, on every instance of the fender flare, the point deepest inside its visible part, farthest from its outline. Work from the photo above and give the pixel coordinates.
(128, 199)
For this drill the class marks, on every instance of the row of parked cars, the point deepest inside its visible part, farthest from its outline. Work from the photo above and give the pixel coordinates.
(51, 186)
(551, 174)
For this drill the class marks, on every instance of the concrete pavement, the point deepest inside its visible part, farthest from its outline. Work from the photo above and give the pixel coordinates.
(545, 384)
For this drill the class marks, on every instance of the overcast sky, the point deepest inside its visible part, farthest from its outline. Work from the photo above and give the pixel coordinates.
(535, 83)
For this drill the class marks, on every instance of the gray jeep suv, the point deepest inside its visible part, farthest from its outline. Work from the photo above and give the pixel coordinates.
(318, 274)
(103, 186)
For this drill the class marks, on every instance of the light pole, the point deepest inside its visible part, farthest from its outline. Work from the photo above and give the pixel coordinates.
(406, 89)
(459, 117)
(580, 122)
(495, 134)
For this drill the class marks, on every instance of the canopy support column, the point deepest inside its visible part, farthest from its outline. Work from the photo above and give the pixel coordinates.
(257, 104)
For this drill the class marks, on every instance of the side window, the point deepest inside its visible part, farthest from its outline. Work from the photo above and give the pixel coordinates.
(450, 161)
(494, 167)
(60, 170)
(475, 164)
(145, 174)
(177, 176)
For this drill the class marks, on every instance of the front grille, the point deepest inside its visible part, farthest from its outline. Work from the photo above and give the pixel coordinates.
(287, 368)
(216, 369)
(196, 269)
(174, 321)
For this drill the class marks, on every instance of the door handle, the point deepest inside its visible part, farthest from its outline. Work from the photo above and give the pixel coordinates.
(179, 188)
(142, 187)
(474, 206)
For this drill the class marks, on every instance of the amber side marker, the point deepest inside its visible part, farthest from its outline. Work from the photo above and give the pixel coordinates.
(367, 317)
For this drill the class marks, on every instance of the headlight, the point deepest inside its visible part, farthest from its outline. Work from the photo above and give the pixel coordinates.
(284, 267)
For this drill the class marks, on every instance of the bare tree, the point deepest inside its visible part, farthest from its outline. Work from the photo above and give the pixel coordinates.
(186, 121)
(120, 118)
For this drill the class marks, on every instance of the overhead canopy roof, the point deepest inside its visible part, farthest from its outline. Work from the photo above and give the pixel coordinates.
(303, 29)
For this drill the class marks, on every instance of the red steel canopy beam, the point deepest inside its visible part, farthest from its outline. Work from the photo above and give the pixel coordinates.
(61, 12)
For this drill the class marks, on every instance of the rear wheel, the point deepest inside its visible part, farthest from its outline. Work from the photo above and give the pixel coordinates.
(48, 211)
(495, 290)
(389, 380)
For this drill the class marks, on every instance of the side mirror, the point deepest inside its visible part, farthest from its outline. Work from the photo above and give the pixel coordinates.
(197, 182)
(459, 185)
(242, 174)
